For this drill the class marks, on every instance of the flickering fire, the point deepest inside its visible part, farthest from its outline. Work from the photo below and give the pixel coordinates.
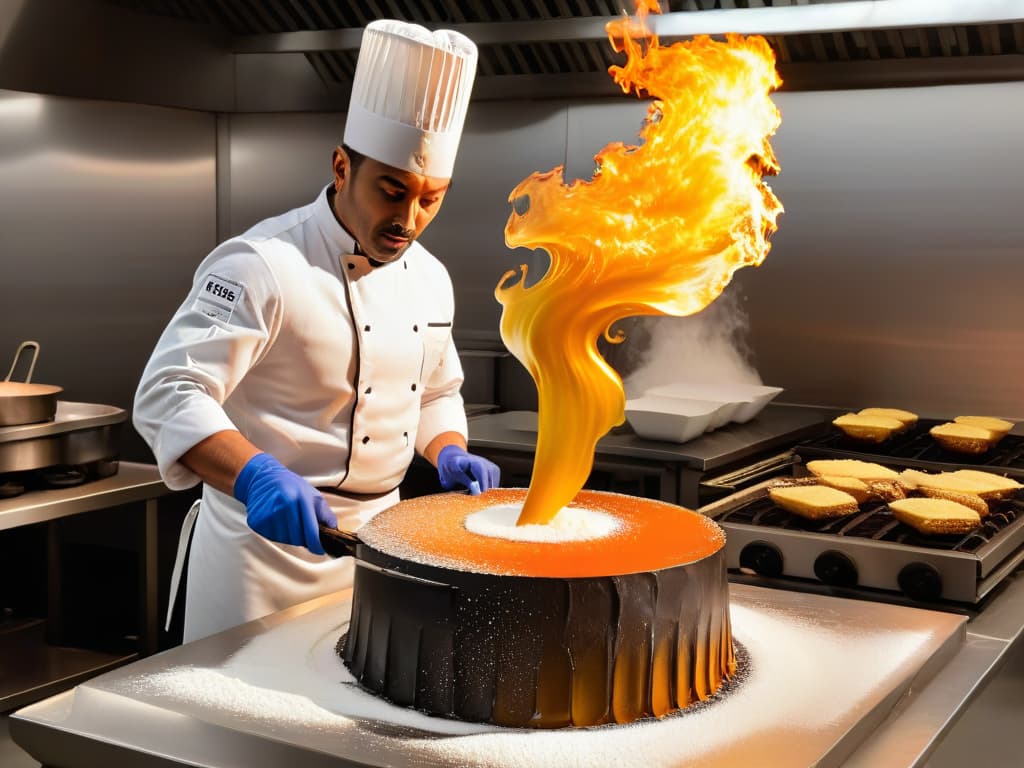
(659, 230)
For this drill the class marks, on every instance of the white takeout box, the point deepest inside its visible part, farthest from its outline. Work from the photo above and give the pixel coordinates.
(670, 418)
(748, 399)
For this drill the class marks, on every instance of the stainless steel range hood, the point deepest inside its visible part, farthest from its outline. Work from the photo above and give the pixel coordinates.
(557, 48)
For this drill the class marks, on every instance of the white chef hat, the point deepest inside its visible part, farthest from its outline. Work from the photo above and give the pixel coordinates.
(410, 96)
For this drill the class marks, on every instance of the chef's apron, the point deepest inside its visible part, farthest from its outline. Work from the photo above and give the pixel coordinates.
(269, 579)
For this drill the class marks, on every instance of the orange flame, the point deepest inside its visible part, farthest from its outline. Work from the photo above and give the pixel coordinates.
(659, 230)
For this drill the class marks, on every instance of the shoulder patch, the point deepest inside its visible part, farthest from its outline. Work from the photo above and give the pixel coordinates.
(218, 297)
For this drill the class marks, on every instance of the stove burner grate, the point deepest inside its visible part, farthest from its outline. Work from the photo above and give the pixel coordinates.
(876, 522)
(917, 445)
(57, 476)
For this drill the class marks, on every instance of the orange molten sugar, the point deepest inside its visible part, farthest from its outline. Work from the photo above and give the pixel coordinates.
(658, 230)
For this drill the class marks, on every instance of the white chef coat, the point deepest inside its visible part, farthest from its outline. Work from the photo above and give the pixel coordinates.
(338, 368)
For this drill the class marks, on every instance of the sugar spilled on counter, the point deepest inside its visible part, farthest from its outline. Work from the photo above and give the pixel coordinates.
(807, 680)
(570, 524)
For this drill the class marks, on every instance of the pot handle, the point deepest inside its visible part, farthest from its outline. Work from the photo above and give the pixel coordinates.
(338, 543)
(17, 356)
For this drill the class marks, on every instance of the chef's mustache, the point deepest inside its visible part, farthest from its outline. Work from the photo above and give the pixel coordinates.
(397, 230)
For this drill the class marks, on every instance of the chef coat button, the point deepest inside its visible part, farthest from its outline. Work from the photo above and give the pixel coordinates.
(368, 390)
(413, 387)
(366, 440)
(366, 327)
(416, 329)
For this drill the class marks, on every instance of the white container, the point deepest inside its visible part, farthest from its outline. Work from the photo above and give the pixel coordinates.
(761, 396)
(749, 399)
(668, 418)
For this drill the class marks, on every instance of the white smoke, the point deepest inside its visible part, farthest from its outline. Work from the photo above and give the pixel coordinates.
(707, 348)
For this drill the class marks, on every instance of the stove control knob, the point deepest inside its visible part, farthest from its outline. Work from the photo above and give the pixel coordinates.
(761, 558)
(836, 569)
(920, 581)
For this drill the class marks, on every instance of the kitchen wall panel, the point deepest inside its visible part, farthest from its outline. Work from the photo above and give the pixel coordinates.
(895, 277)
(106, 210)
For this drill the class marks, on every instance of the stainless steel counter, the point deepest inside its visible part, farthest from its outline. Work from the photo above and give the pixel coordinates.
(917, 724)
(511, 437)
(825, 680)
(776, 426)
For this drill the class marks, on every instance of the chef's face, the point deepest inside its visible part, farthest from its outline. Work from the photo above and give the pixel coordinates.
(383, 207)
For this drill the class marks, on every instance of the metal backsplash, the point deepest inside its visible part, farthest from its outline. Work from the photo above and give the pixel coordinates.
(107, 209)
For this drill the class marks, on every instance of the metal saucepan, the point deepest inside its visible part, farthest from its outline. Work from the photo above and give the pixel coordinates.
(24, 402)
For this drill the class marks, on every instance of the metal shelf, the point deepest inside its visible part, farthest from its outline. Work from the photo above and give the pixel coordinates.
(33, 672)
(132, 483)
(31, 668)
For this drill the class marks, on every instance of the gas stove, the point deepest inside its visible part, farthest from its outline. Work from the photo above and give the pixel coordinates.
(870, 551)
(871, 554)
(917, 449)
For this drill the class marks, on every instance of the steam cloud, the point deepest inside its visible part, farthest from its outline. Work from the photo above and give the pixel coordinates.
(709, 347)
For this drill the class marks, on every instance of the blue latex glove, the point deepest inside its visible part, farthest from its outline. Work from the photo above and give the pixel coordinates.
(457, 468)
(280, 505)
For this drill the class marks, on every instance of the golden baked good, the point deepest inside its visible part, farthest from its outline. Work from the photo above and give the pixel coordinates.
(815, 502)
(935, 516)
(998, 427)
(862, 470)
(995, 486)
(963, 438)
(872, 429)
(887, 490)
(851, 485)
(907, 418)
(973, 482)
(971, 500)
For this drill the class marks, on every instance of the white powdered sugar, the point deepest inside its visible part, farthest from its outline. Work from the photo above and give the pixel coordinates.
(570, 524)
(808, 678)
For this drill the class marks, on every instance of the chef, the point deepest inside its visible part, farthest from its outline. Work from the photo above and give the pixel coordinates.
(314, 353)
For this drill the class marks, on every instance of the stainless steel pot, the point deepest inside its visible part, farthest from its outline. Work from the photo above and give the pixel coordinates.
(24, 402)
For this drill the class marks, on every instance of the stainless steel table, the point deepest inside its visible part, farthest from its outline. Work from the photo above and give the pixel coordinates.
(830, 682)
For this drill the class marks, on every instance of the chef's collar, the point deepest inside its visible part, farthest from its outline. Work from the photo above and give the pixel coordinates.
(358, 251)
(340, 239)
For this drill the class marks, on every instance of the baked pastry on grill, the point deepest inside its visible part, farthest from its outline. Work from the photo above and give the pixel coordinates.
(998, 427)
(995, 486)
(907, 418)
(862, 470)
(963, 438)
(985, 485)
(971, 500)
(887, 490)
(935, 516)
(857, 488)
(871, 429)
(865, 490)
(815, 502)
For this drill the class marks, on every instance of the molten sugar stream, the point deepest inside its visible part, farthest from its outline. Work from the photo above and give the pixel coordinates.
(659, 230)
